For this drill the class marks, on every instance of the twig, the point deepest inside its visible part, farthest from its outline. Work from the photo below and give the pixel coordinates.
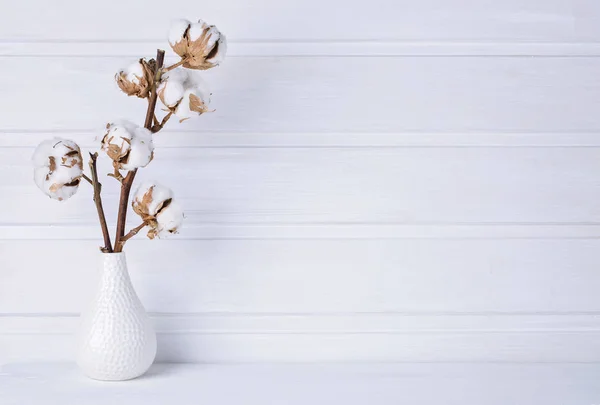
(86, 178)
(173, 66)
(130, 235)
(128, 181)
(117, 175)
(98, 201)
(159, 126)
(134, 231)
(160, 58)
(156, 121)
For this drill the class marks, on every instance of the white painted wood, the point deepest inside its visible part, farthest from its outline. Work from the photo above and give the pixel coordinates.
(316, 94)
(352, 384)
(265, 347)
(334, 323)
(327, 140)
(508, 20)
(315, 276)
(342, 185)
(308, 48)
(318, 231)
(230, 337)
(398, 181)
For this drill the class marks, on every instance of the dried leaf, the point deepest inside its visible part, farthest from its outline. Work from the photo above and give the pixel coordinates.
(181, 47)
(52, 165)
(197, 105)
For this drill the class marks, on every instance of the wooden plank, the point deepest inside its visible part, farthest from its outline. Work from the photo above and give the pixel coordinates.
(327, 48)
(516, 20)
(184, 339)
(276, 95)
(173, 138)
(340, 185)
(313, 276)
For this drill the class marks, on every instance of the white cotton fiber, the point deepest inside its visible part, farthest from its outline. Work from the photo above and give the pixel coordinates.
(185, 93)
(177, 31)
(149, 197)
(169, 219)
(128, 145)
(141, 151)
(58, 168)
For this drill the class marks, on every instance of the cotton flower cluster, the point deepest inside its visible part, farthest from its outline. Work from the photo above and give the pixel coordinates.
(201, 46)
(176, 85)
(128, 145)
(184, 93)
(136, 79)
(58, 168)
(155, 205)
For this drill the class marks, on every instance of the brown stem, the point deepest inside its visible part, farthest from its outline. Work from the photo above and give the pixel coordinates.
(117, 175)
(86, 178)
(159, 126)
(173, 66)
(130, 235)
(160, 58)
(128, 180)
(98, 201)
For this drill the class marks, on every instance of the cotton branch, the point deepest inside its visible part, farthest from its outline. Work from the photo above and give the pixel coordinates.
(175, 65)
(158, 126)
(86, 178)
(128, 180)
(130, 235)
(98, 201)
(117, 175)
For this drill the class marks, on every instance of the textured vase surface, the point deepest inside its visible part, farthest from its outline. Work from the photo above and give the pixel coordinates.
(116, 340)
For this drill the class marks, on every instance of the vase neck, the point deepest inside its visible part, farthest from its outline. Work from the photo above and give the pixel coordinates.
(113, 263)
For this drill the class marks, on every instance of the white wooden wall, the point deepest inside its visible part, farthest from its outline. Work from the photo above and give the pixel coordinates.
(392, 180)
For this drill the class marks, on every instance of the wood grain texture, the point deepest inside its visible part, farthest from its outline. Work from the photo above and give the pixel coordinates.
(278, 95)
(516, 20)
(307, 48)
(314, 276)
(407, 181)
(317, 384)
(499, 346)
(339, 185)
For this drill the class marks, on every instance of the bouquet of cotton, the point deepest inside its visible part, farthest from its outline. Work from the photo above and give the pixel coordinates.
(117, 341)
(59, 163)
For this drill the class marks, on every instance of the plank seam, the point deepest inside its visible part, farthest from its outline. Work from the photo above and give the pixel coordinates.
(307, 48)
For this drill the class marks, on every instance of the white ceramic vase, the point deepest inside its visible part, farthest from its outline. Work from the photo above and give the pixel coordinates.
(116, 340)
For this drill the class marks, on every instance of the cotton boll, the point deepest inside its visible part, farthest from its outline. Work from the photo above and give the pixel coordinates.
(149, 197)
(117, 140)
(185, 94)
(154, 203)
(141, 151)
(128, 145)
(171, 89)
(58, 168)
(213, 40)
(195, 102)
(200, 45)
(169, 220)
(136, 79)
